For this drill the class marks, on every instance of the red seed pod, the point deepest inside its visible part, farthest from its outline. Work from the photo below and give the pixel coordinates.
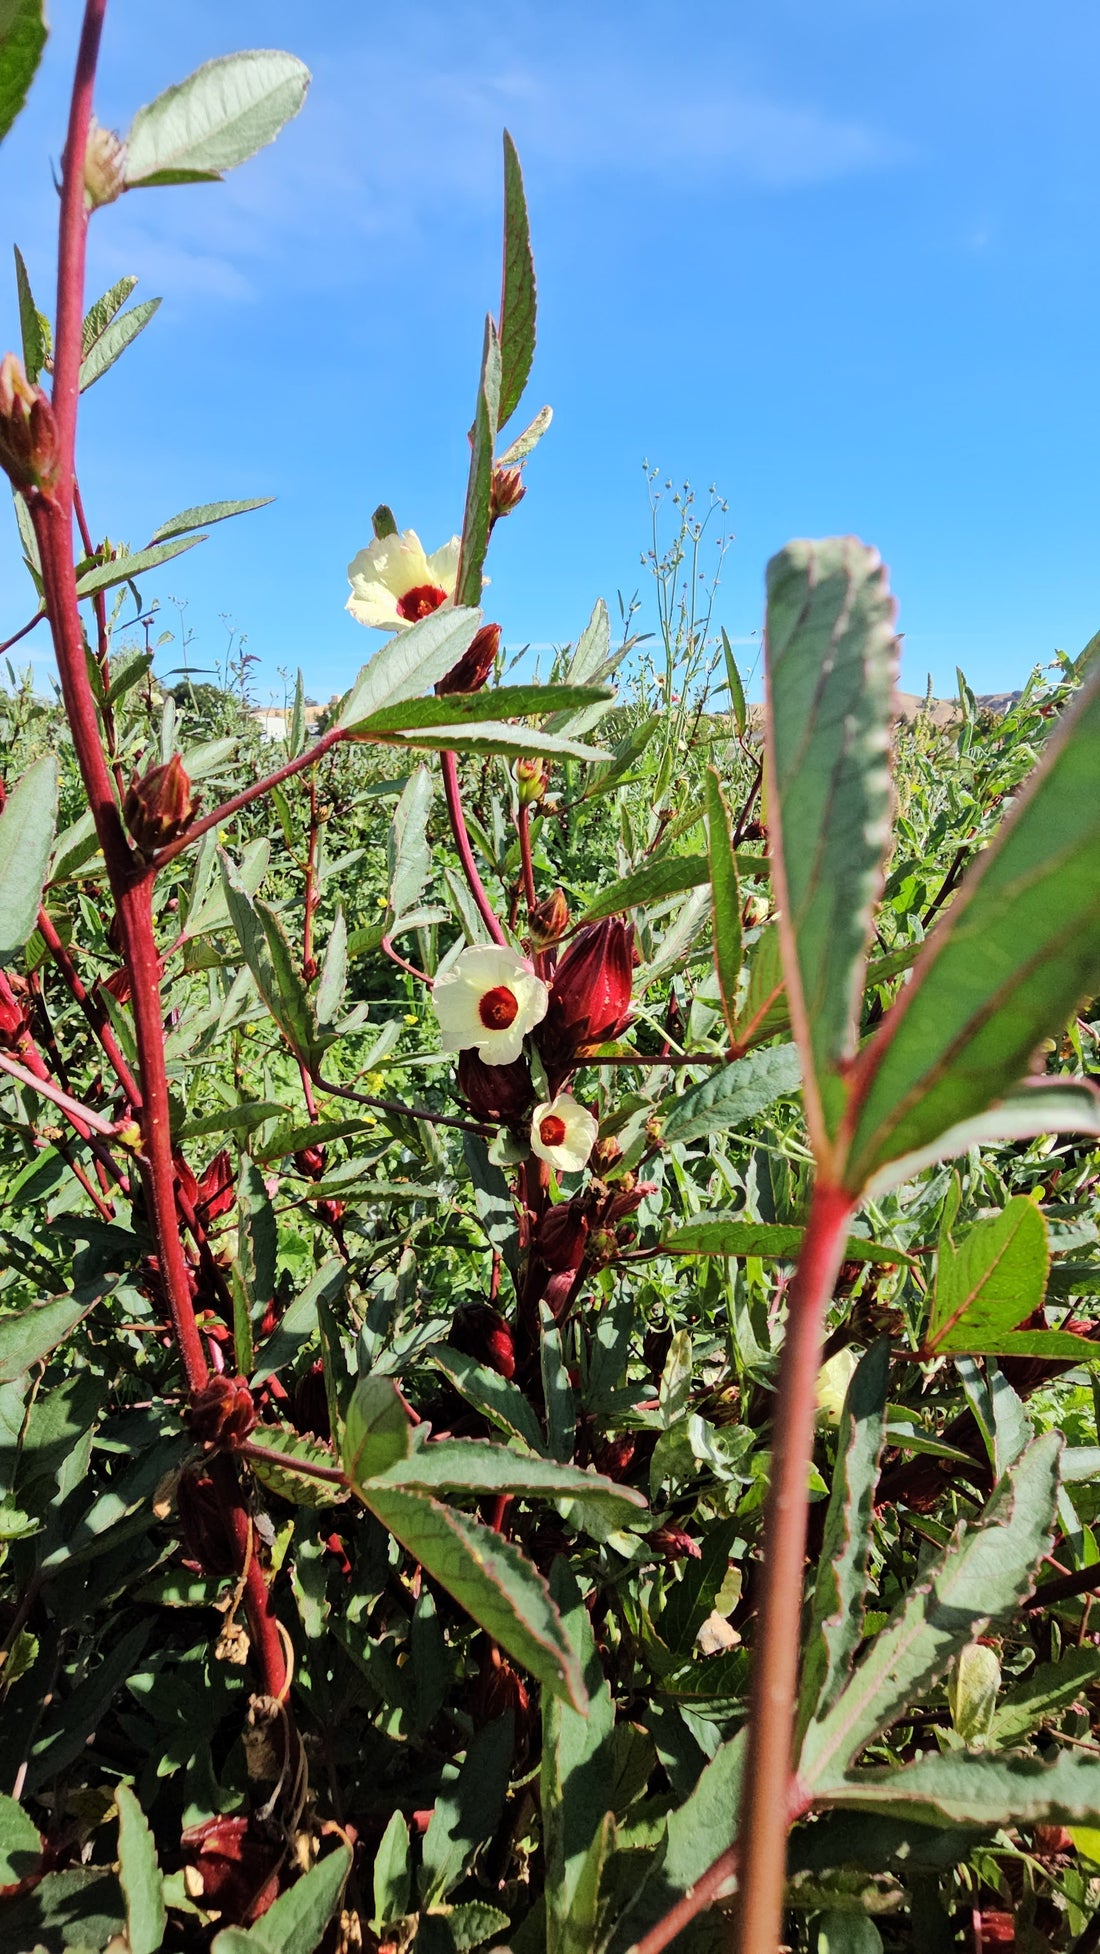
(207, 1535)
(28, 433)
(495, 1092)
(310, 1161)
(238, 1865)
(331, 1212)
(1050, 1839)
(475, 664)
(480, 1332)
(615, 1454)
(675, 1544)
(14, 1022)
(216, 1191)
(590, 993)
(562, 1236)
(158, 805)
(548, 921)
(506, 492)
(498, 1688)
(992, 1928)
(223, 1413)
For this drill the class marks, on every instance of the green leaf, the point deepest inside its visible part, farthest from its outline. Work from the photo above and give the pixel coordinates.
(476, 515)
(34, 327)
(205, 513)
(468, 1811)
(29, 1334)
(773, 1241)
(267, 954)
(691, 1600)
(985, 1789)
(697, 1833)
(575, 1781)
(131, 563)
(522, 742)
(496, 1397)
(20, 1843)
(984, 1571)
(517, 295)
(110, 344)
(831, 659)
(295, 1449)
(731, 1095)
(332, 982)
(408, 855)
(847, 1933)
(1057, 1105)
(22, 39)
(736, 689)
(409, 663)
(296, 1921)
(392, 1874)
(474, 1465)
(1004, 967)
(990, 1284)
(1044, 1693)
(27, 826)
(488, 1577)
(63, 1737)
(836, 1622)
(300, 1321)
(377, 1431)
(526, 443)
(725, 899)
(222, 114)
(139, 1872)
(499, 702)
(657, 880)
(99, 315)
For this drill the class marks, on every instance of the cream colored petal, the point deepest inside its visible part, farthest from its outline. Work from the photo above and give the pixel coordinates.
(501, 1047)
(375, 607)
(442, 566)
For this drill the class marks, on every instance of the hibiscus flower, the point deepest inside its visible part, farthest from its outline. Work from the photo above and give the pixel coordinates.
(490, 1000)
(393, 583)
(563, 1132)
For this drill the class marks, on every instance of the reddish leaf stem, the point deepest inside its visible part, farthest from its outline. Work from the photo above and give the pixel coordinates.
(82, 1117)
(449, 765)
(765, 1810)
(94, 1013)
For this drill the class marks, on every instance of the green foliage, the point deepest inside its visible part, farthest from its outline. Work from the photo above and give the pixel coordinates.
(438, 1602)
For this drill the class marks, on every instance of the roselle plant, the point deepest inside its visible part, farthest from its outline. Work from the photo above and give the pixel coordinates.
(466, 1268)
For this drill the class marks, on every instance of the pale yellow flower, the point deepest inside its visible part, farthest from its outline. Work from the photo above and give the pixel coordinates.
(491, 999)
(394, 584)
(563, 1132)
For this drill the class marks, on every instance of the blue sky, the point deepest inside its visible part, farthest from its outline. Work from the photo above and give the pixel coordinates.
(841, 261)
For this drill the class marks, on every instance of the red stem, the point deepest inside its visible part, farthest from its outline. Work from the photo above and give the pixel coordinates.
(449, 764)
(96, 1016)
(523, 829)
(765, 1812)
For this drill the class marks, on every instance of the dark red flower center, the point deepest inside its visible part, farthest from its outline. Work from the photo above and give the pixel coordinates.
(551, 1130)
(420, 602)
(497, 1009)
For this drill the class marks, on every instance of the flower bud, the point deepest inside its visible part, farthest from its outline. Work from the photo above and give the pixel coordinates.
(548, 921)
(232, 1865)
(506, 493)
(14, 1022)
(480, 1332)
(104, 166)
(28, 435)
(215, 1192)
(590, 994)
(310, 1161)
(207, 1535)
(223, 1413)
(562, 1236)
(158, 805)
(475, 664)
(754, 912)
(495, 1092)
(532, 779)
(675, 1544)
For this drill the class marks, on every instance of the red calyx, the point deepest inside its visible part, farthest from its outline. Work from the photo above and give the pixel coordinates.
(590, 993)
(475, 664)
(223, 1413)
(480, 1332)
(495, 1092)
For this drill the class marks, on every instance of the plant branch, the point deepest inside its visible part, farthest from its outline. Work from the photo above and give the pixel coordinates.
(396, 1106)
(244, 799)
(523, 829)
(332, 1475)
(82, 1117)
(449, 766)
(22, 632)
(765, 1806)
(94, 1013)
